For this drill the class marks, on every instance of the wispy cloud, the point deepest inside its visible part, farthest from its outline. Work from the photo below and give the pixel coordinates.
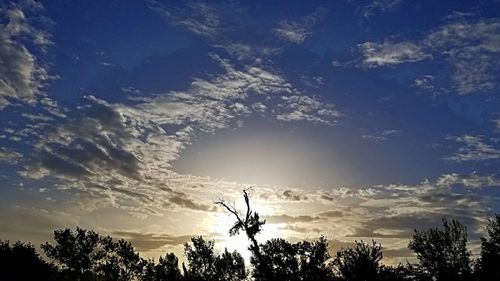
(470, 46)
(378, 7)
(9, 156)
(390, 53)
(473, 180)
(196, 16)
(381, 135)
(473, 148)
(304, 108)
(124, 152)
(297, 31)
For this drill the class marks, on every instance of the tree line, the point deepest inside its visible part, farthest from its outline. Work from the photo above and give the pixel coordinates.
(84, 255)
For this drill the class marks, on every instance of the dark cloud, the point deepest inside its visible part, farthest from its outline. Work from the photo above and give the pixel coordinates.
(150, 242)
(289, 219)
(183, 200)
(88, 143)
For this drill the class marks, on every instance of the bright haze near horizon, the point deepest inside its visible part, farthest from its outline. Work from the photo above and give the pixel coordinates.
(355, 119)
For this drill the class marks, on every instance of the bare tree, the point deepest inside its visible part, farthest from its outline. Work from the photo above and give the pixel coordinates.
(251, 224)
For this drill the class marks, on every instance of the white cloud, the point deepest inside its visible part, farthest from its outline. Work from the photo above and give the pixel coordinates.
(384, 135)
(473, 149)
(304, 108)
(379, 7)
(297, 31)
(425, 82)
(197, 17)
(497, 124)
(22, 75)
(471, 47)
(389, 53)
(7, 155)
(473, 180)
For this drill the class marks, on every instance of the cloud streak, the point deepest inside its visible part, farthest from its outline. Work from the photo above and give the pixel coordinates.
(298, 31)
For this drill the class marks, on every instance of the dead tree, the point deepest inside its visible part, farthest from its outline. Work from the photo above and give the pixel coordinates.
(250, 223)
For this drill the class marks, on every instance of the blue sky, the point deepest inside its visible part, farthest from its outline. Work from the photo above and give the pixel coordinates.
(355, 119)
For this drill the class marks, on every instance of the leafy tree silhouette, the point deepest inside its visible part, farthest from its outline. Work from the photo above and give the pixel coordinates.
(20, 262)
(167, 268)
(489, 262)
(205, 265)
(85, 255)
(230, 266)
(77, 252)
(295, 262)
(121, 262)
(360, 263)
(443, 254)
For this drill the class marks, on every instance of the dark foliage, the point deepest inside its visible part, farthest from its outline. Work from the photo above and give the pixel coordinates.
(78, 253)
(294, 262)
(206, 265)
(19, 262)
(489, 263)
(167, 268)
(359, 263)
(443, 254)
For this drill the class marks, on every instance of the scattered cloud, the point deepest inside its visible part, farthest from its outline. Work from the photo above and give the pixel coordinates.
(9, 156)
(378, 7)
(470, 46)
(390, 53)
(497, 124)
(297, 31)
(304, 108)
(196, 16)
(384, 135)
(474, 148)
(473, 180)
(22, 74)
(135, 143)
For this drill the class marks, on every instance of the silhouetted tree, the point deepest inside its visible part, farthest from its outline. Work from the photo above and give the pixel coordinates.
(314, 258)
(85, 255)
(398, 273)
(443, 254)
(281, 258)
(121, 262)
(251, 224)
(78, 253)
(295, 262)
(205, 265)
(230, 266)
(201, 259)
(20, 262)
(489, 262)
(167, 268)
(360, 263)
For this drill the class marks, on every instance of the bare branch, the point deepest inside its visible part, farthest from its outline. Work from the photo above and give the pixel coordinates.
(230, 209)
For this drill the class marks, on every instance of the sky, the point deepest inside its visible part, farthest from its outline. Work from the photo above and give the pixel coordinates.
(352, 119)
